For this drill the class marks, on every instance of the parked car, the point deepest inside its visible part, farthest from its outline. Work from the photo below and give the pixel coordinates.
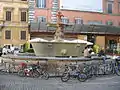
(16, 50)
(6, 50)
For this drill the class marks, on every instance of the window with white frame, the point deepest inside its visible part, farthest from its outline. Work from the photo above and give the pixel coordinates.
(23, 16)
(78, 21)
(109, 7)
(41, 3)
(65, 20)
(8, 15)
(41, 19)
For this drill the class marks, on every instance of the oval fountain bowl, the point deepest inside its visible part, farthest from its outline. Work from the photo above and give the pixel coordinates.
(57, 48)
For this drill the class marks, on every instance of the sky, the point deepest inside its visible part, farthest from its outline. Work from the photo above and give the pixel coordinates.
(84, 5)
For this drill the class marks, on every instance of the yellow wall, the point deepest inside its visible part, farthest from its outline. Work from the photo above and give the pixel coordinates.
(15, 25)
(82, 37)
(100, 40)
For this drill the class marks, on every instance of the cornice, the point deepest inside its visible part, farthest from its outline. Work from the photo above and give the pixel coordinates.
(12, 1)
(8, 8)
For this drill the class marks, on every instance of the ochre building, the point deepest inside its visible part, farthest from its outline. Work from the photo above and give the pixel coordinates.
(13, 22)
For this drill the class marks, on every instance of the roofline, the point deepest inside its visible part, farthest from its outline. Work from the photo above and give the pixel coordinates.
(89, 12)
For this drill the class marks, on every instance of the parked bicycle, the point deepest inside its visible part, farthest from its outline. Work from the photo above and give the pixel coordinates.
(73, 72)
(90, 70)
(34, 71)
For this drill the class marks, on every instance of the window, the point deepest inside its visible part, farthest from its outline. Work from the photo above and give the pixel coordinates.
(109, 23)
(8, 15)
(112, 44)
(7, 34)
(41, 19)
(41, 3)
(23, 35)
(95, 22)
(78, 21)
(23, 16)
(65, 20)
(109, 7)
(119, 6)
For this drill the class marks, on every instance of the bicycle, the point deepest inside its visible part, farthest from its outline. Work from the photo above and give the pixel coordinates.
(34, 70)
(90, 70)
(71, 71)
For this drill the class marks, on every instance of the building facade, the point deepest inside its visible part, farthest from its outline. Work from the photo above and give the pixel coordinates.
(13, 22)
(111, 6)
(45, 12)
(110, 14)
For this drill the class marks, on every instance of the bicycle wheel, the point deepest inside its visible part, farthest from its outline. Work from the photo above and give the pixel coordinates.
(117, 72)
(82, 77)
(65, 77)
(21, 73)
(108, 69)
(45, 75)
(35, 74)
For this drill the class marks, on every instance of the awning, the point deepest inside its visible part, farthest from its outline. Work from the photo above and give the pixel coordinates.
(76, 28)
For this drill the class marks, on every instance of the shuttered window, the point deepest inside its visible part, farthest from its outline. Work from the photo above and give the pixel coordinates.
(23, 0)
(8, 15)
(23, 35)
(23, 16)
(65, 20)
(7, 34)
(78, 21)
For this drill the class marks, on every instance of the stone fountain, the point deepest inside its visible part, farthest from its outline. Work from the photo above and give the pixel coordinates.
(58, 46)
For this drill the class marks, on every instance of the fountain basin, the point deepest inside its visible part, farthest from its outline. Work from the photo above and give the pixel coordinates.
(55, 48)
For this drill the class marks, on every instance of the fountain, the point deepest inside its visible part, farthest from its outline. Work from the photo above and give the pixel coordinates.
(58, 46)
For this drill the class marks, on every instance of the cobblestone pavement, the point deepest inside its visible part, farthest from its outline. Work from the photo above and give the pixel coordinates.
(13, 82)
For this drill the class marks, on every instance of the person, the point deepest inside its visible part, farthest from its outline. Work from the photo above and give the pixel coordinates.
(101, 53)
(90, 50)
(12, 49)
(4, 50)
(23, 65)
(86, 53)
